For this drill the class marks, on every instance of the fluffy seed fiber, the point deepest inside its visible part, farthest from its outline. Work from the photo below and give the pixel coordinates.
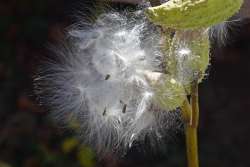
(97, 82)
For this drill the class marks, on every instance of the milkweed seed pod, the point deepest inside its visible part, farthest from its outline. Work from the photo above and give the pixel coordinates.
(191, 14)
(169, 94)
(187, 56)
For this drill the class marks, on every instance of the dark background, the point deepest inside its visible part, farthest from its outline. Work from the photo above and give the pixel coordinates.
(29, 138)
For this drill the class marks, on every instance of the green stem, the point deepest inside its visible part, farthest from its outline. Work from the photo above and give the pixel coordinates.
(191, 146)
(191, 128)
(190, 115)
(186, 111)
(195, 104)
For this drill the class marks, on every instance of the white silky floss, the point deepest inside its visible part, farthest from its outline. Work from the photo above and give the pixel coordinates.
(100, 81)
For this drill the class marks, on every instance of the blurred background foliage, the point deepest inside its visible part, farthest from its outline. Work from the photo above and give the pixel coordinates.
(29, 138)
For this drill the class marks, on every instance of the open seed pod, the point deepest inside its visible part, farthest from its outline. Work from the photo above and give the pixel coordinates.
(169, 94)
(187, 56)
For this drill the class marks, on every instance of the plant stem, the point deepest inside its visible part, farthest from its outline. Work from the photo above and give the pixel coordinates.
(195, 104)
(191, 146)
(191, 128)
(186, 111)
(190, 115)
